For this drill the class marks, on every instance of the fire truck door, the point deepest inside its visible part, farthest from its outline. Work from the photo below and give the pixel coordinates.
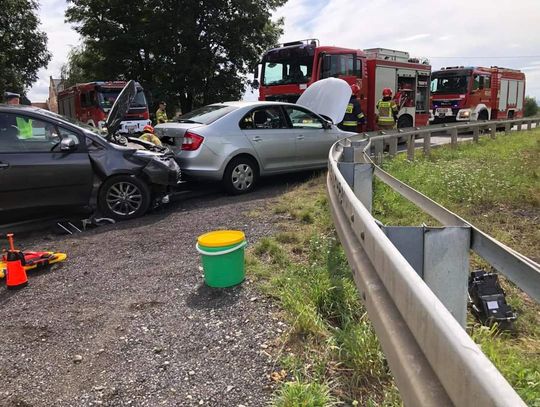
(385, 77)
(503, 94)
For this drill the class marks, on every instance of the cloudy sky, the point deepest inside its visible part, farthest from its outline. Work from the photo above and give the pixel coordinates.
(449, 33)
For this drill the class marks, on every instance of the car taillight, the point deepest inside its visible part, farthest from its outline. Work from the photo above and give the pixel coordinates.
(192, 141)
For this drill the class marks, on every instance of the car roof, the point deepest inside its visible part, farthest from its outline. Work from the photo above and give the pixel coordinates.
(243, 103)
(21, 108)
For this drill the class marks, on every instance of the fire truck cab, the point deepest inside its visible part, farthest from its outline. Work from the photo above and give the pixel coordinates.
(91, 102)
(476, 93)
(289, 69)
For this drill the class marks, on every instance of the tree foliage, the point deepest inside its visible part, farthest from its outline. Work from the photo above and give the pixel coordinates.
(531, 107)
(189, 52)
(23, 47)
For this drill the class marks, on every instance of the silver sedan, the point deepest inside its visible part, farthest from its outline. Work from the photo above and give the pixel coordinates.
(237, 142)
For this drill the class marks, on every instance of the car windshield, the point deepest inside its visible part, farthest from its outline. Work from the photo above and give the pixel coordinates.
(449, 83)
(206, 114)
(288, 65)
(107, 97)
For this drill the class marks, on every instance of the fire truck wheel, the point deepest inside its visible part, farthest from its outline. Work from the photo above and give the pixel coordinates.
(404, 122)
(124, 197)
(483, 115)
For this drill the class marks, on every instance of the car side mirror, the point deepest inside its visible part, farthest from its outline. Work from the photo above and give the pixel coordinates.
(255, 84)
(68, 144)
(326, 125)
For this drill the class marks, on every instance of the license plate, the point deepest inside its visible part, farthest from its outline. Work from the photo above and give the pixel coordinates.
(131, 128)
(443, 111)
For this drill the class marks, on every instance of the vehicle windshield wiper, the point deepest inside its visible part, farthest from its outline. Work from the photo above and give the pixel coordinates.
(188, 121)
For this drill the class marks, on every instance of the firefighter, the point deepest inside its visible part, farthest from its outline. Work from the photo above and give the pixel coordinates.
(149, 135)
(353, 114)
(387, 111)
(161, 113)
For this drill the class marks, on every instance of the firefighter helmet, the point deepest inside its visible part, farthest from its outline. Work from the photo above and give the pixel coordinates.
(355, 89)
(387, 92)
(148, 129)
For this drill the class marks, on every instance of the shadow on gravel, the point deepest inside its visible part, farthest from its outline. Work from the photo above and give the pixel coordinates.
(213, 298)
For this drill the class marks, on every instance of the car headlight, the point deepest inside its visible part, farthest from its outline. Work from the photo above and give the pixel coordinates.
(465, 114)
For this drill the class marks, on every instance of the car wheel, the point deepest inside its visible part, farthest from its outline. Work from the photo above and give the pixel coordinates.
(240, 175)
(124, 197)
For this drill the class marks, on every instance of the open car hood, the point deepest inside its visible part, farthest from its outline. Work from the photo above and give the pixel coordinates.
(120, 107)
(328, 97)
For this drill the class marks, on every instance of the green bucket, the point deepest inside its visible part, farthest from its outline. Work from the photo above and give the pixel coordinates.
(223, 265)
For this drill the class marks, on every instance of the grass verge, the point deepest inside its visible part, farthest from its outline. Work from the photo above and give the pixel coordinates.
(329, 353)
(495, 185)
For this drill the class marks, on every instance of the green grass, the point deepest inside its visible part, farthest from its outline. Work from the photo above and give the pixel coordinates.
(333, 353)
(495, 185)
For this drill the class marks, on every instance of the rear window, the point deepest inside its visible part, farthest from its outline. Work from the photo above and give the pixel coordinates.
(206, 114)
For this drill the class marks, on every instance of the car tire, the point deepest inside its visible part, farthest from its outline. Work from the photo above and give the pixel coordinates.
(124, 197)
(240, 176)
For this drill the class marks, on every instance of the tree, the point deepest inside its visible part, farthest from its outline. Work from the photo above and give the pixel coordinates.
(531, 107)
(189, 52)
(23, 47)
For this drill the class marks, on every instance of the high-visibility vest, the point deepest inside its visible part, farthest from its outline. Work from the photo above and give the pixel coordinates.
(151, 138)
(352, 116)
(161, 116)
(25, 128)
(386, 109)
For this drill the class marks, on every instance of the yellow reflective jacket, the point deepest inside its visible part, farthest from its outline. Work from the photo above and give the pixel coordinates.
(25, 128)
(152, 138)
(388, 109)
(161, 116)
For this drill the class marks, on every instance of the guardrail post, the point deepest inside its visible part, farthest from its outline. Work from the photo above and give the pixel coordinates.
(453, 137)
(493, 128)
(379, 148)
(529, 125)
(446, 267)
(392, 146)
(507, 128)
(476, 132)
(427, 144)
(363, 184)
(519, 126)
(410, 146)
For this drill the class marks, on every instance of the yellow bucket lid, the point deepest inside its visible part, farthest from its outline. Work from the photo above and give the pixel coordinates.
(220, 238)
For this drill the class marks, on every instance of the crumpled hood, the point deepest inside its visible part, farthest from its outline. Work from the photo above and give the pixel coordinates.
(121, 107)
(328, 97)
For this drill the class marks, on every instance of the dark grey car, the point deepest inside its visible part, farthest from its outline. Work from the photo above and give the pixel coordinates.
(49, 165)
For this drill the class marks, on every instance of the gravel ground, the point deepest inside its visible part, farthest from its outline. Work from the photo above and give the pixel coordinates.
(128, 321)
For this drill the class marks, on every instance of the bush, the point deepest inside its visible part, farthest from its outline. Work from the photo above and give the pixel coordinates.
(531, 107)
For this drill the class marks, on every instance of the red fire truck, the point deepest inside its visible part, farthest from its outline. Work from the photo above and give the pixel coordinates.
(287, 70)
(90, 103)
(475, 93)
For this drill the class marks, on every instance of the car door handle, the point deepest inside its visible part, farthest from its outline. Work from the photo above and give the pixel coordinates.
(4, 165)
(300, 137)
(257, 138)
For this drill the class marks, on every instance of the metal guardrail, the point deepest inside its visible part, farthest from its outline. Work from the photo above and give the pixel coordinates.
(433, 359)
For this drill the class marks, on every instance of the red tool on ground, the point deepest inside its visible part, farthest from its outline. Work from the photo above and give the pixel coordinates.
(14, 259)
(10, 261)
